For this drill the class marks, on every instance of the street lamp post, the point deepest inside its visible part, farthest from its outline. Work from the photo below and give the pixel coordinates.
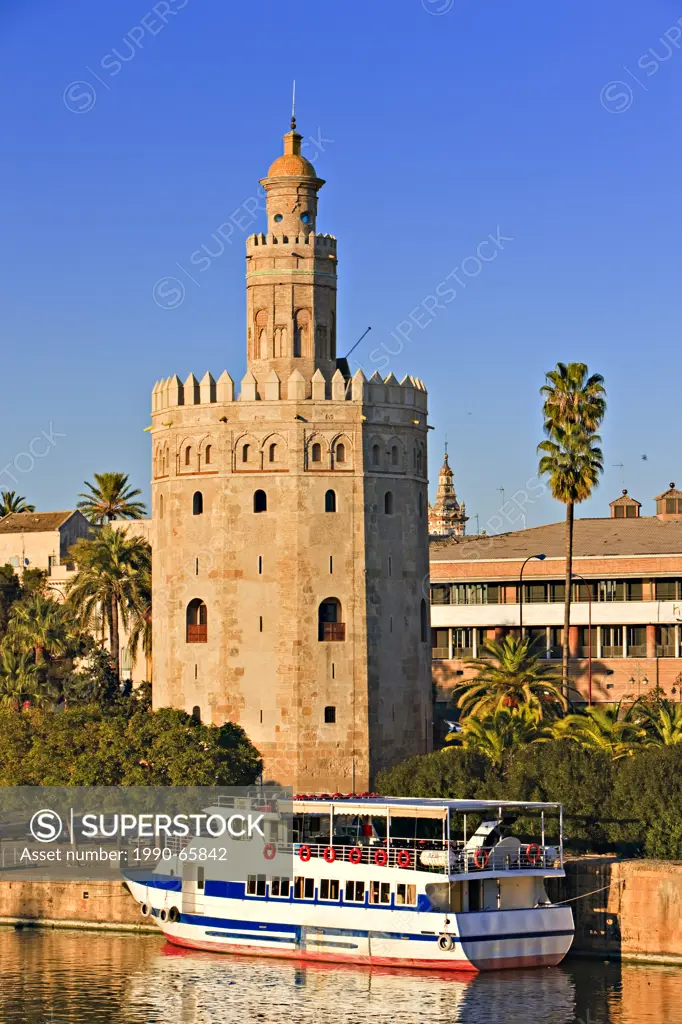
(540, 558)
(589, 638)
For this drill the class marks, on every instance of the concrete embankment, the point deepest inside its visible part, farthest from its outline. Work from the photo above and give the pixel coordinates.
(630, 909)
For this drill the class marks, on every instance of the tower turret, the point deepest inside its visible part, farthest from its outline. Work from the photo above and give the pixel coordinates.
(447, 518)
(291, 276)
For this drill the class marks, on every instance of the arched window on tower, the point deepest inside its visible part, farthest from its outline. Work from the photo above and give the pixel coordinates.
(388, 503)
(330, 501)
(245, 452)
(260, 501)
(317, 452)
(272, 452)
(395, 455)
(161, 506)
(330, 626)
(424, 622)
(340, 452)
(376, 455)
(197, 504)
(197, 622)
(301, 327)
(209, 452)
(196, 713)
(188, 455)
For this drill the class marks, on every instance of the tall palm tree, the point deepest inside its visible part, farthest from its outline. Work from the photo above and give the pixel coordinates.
(574, 406)
(601, 728)
(110, 497)
(38, 624)
(509, 675)
(499, 731)
(113, 570)
(10, 501)
(18, 678)
(141, 626)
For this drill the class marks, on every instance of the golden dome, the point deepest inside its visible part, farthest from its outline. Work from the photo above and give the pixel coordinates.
(292, 165)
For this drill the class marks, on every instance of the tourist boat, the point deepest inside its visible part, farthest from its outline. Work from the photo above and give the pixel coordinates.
(441, 884)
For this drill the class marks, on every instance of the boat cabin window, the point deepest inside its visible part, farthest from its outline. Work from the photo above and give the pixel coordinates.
(405, 895)
(255, 885)
(329, 889)
(355, 892)
(304, 888)
(379, 892)
(200, 878)
(280, 887)
(475, 895)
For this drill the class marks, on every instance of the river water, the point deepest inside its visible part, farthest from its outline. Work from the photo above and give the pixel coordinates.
(54, 977)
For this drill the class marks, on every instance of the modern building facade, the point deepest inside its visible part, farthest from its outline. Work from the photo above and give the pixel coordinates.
(290, 526)
(628, 585)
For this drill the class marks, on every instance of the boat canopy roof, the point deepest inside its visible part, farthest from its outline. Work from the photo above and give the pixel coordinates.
(405, 807)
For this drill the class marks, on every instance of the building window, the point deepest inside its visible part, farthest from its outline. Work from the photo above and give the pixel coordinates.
(665, 641)
(440, 593)
(474, 593)
(196, 713)
(612, 641)
(557, 592)
(668, 590)
(161, 506)
(556, 644)
(405, 894)
(340, 453)
(440, 643)
(535, 593)
(329, 889)
(280, 887)
(462, 643)
(388, 503)
(260, 501)
(330, 625)
(584, 641)
(272, 453)
(208, 454)
(260, 565)
(317, 452)
(188, 455)
(376, 455)
(255, 885)
(395, 455)
(197, 622)
(197, 504)
(245, 452)
(424, 622)
(330, 501)
(330, 715)
(380, 892)
(636, 641)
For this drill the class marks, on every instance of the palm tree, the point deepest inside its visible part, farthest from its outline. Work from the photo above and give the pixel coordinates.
(573, 397)
(508, 674)
(141, 626)
(573, 461)
(502, 730)
(662, 722)
(38, 624)
(110, 498)
(18, 678)
(112, 579)
(601, 728)
(10, 501)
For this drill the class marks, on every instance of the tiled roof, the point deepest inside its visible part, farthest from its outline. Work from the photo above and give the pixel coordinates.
(33, 522)
(625, 499)
(672, 492)
(647, 535)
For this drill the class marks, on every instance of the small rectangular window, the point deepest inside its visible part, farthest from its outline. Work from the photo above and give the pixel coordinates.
(255, 885)
(355, 892)
(440, 593)
(380, 892)
(304, 888)
(200, 878)
(329, 889)
(280, 887)
(405, 894)
(330, 715)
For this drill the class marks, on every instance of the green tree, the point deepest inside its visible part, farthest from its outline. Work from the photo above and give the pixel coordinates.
(10, 501)
(662, 722)
(573, 461)
(110, 497)
(509, 674)
(38, 624)
(602, 728)
(18, 678)
(112, 579)
(500, 732)
(10, 592)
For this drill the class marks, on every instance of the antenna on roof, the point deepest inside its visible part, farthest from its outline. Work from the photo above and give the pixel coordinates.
(357, 342)
(621, 467)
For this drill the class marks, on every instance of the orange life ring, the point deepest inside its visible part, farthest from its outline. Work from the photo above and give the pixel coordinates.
(269, 851)
(329, 855)
(305, 854)
(381, 858)
(355, 855)
(404, 859)
(533, 853)
(481, 858)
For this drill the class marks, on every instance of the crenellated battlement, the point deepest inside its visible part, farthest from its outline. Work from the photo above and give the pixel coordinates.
(173, 392)
(325, 242)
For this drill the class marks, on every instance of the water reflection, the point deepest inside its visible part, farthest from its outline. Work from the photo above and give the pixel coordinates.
(62, 977)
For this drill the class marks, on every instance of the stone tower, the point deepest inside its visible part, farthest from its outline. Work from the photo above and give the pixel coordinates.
(447, 518)
(290, 527)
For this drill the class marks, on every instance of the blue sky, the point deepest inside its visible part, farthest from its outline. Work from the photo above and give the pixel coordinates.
(436, 124)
